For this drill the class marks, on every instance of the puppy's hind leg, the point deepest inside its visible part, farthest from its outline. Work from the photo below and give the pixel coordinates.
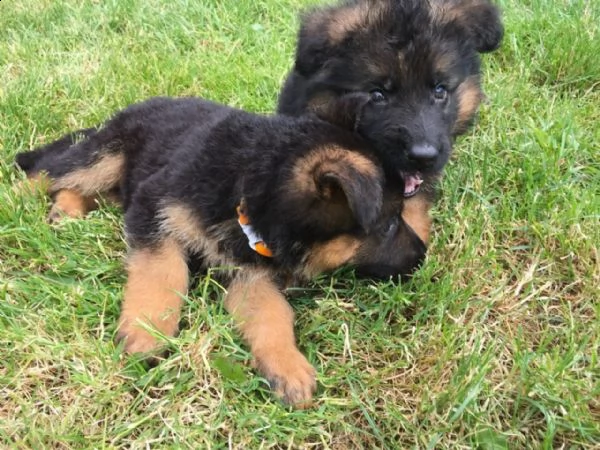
(266, 321)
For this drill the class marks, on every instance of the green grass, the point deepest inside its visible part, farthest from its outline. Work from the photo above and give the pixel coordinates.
(494, 343)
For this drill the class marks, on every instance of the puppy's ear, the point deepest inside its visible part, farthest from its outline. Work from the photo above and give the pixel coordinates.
(479, 18)
(324, 30)
(483, 22)
(347, 186)
(313, 48)
(336, 189)
(344, 111)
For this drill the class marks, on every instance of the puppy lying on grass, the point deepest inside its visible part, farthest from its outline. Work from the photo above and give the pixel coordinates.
(275, 200)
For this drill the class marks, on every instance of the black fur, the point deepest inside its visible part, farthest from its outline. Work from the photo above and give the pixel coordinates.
(46, 154)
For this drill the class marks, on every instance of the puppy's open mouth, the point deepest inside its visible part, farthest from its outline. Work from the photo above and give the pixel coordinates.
(412, 183)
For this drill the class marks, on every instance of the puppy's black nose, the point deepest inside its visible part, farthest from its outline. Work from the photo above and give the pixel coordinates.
(423, 152)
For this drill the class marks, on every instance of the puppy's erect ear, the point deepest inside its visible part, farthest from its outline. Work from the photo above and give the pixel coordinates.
(479, 18)
(324, 29)
(336, 189)
(313, 46)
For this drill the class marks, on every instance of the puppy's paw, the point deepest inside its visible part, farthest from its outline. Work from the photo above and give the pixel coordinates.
(56, 214)
(291, 377)
(137, 340)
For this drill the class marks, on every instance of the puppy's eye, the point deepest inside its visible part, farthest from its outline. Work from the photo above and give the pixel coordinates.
(378, 96)
(440, 92)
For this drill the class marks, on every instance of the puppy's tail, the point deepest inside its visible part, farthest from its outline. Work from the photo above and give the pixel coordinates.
(32, 162)
(87, 162)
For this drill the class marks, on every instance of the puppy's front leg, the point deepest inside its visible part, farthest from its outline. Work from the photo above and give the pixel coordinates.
(157, 278)
(266, 321)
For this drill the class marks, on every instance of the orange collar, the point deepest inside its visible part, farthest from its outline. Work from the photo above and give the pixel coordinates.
(254, 240)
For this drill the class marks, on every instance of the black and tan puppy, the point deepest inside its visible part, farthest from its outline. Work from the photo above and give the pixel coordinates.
(271, 199)
(418, 59)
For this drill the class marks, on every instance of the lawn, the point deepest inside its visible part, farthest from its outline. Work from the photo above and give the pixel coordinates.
(493, 344)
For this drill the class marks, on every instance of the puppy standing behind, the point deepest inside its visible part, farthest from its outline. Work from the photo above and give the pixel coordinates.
(418, 59)
(190, 173)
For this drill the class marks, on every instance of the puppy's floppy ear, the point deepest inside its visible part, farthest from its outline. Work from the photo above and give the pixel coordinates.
(479, 18)
(346, 185)
(336, 188)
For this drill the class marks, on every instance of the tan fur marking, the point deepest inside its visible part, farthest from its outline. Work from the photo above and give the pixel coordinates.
(182, 222)
(343, 22)
(35, 181)
(266, 321)
(330, 255)
(329, 159)
(68, 202)
(445, 12)
(100, 176)
(416, 215)
(157, 278)
(439, 11)
(38, 180)
(469, 98)
(443, 62)
(350, 18)
(321, 100)
(363, 165)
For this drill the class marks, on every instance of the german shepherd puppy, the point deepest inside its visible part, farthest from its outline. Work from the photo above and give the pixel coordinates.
(273, 200)
(418, 60)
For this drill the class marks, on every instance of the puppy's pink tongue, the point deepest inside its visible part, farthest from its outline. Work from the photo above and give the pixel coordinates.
(412, 183)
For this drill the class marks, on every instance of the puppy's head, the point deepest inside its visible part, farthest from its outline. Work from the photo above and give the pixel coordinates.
(390, 248)
(332, 206)
(417, 62)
